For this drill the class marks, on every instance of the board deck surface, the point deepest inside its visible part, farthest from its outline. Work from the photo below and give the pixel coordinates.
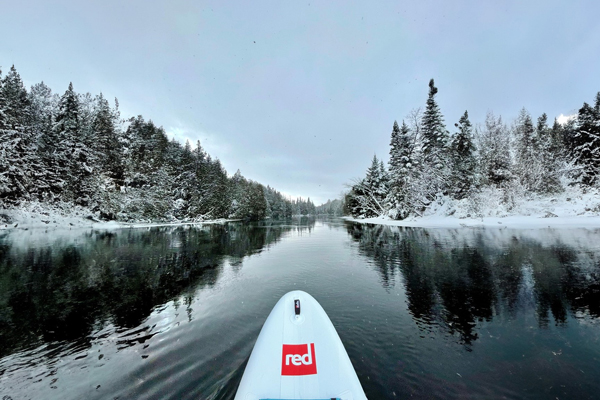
(299, 355)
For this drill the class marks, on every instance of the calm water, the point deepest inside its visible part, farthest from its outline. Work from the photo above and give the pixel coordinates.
(425, 313)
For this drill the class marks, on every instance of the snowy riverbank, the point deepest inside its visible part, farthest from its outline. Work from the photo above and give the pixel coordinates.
(570, 209)
(35, 215)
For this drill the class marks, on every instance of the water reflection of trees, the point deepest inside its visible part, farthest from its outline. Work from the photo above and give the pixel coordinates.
(457, 278)
(66, 292)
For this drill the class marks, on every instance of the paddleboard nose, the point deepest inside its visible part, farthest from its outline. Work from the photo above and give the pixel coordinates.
(299, 355)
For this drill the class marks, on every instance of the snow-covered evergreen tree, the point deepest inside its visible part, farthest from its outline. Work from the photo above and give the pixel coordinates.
(105, 142)
(494, 152)
(72, 157)
(250, 203)
(557, 140)
(395, 149)
(434, 132)
(586, 142)
(550, 158)
(435, 163)
(87, 112)
(19, 163)
(368, 194)
(464, 162)
(376, 184)
(402, 171)
(15, 101)
(41, 103)
(527, 151)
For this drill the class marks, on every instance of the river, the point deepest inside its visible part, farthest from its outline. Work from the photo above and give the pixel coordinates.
(173, 312)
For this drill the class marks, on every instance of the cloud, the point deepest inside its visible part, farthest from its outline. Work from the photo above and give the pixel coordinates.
(563, 119)
(210, 142)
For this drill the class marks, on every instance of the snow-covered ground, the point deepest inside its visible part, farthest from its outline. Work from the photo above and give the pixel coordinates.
(35, 215)
(574, 208)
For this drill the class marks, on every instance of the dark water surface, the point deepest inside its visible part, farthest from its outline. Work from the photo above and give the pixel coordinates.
(173, 312)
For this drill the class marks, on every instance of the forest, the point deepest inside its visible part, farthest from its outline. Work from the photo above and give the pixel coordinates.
(76, 149)
(486, 169)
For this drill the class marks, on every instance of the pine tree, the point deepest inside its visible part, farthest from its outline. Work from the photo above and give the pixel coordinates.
(528, 140)
(557, 139)
(494, 150)
(73, 157)
(542, 125)
(435, 163)
(15, 102)
(147, 148)
(375, 182)
(395, 149)
(41, 105)
(549, 158)
(402, 171)
(214, 190)
(87, 115)
(368, 194)
(463, 158)
(19, 162)
(105, 142)
(527, 151)
(435, 135)
(586, 142)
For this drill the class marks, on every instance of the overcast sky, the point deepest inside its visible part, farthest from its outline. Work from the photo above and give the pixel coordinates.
(299, 95)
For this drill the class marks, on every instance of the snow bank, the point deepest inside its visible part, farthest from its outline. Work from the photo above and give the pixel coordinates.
(36, 215)
(575, 208)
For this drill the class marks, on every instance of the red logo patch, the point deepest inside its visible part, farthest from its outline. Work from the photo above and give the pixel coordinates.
(298, 359)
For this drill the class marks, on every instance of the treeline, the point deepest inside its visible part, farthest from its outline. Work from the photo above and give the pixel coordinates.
(76, 149)
(429, 165)
(334, 208)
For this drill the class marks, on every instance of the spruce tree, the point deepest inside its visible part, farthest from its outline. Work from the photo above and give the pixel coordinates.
(88, 106)
(106, 143)
(527, 151)
(369, 193)
(463, 158)
(15, 102)
(586, 142)
(494, 151)
(549, 158)
(375, 182)
(41, 105)
(20, 167)
(435, 134)
(395, 149)
(72, 159)
(435, 163)
(542, 125)
(402, 172)
(557, 139)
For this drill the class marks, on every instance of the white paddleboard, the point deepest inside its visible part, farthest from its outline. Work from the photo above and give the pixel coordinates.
(299, 355)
